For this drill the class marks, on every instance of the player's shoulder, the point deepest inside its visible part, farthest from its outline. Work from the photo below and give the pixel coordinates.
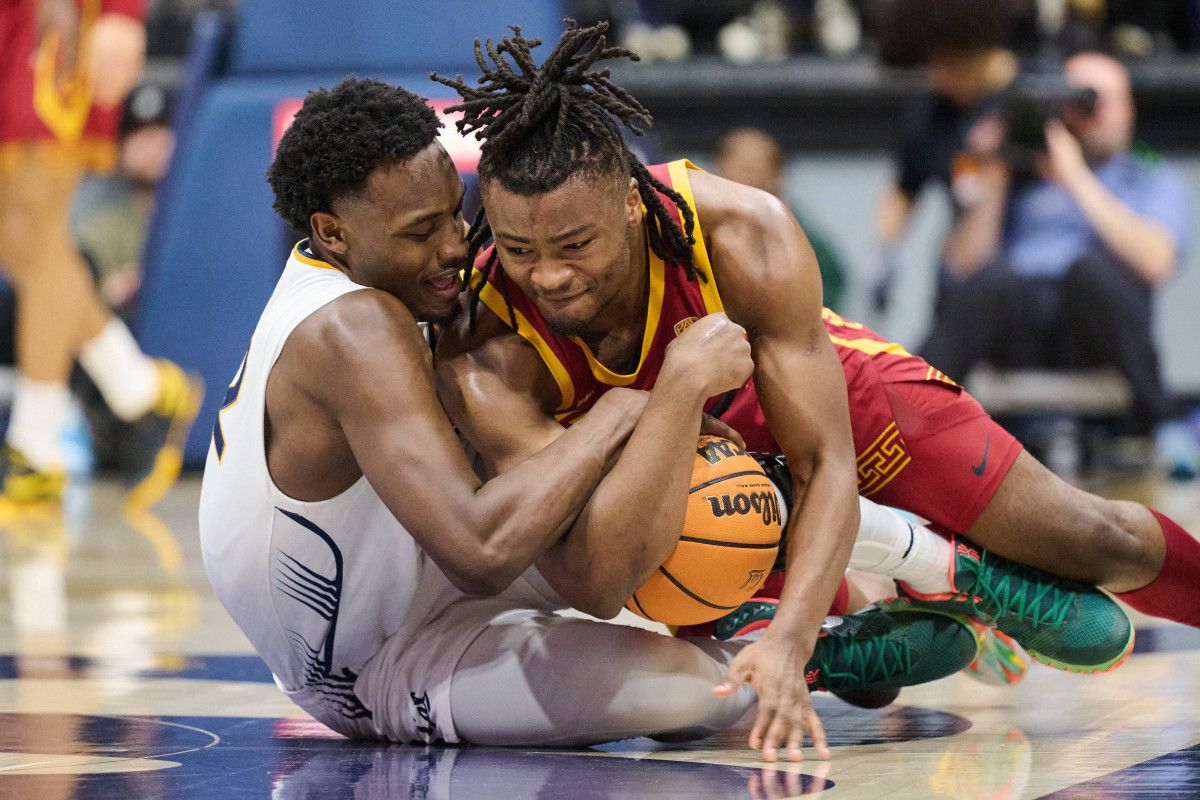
(357, 328)
(739, 222)
(729, 208)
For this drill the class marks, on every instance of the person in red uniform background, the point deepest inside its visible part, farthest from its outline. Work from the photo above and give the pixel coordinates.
(65, 68)
(596, 270)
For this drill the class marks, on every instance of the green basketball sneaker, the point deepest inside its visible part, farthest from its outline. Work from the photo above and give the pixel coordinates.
(1064, 624)
(876, 649)
(872, 649)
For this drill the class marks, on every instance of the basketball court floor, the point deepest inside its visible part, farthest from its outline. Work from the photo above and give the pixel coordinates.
(121, 677)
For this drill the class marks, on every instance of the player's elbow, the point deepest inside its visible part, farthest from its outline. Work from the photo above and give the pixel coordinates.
(596, 598)
(602, 605)
(475, 584)
(486, 574)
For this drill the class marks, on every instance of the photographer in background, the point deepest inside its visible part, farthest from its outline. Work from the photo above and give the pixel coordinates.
(962, 47)
(1059, 268)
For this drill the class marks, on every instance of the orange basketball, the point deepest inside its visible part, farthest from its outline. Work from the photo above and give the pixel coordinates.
(730, 539)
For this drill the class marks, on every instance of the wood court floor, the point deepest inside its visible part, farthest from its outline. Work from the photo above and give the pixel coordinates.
(121, 677)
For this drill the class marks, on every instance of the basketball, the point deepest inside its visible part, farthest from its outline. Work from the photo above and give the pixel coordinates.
(730, 538)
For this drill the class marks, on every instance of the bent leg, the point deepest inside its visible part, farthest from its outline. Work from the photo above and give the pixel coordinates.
(547, 680)
(956, 467)
(1039, 519)
(1140, 554)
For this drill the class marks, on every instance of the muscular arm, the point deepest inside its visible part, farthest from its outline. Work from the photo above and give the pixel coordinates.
(498, 392)
(771, 285)
(1142, 243)
(362, 361)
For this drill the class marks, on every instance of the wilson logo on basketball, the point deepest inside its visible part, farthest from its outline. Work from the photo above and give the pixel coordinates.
(718, 449)
(683, 325)
(764, 503)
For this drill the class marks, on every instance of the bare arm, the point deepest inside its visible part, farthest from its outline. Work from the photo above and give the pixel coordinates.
(363, 361)
(497, 394)
(770, 283)
(1142, 243)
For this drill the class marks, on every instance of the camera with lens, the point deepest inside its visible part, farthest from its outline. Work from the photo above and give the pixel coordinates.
(1027, 105)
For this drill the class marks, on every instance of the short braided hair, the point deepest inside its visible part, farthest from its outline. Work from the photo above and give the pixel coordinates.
(541, 125)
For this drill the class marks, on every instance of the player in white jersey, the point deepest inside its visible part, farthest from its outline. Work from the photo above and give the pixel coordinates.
(390, 591)
(342, 525)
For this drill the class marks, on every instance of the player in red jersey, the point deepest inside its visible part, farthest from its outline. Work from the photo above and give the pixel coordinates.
(65, 68)
(599, 262)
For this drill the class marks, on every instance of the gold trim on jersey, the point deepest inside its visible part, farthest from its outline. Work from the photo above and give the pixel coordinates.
(496, 303)
(882, 461)
(834, 318)
(653, 314)
(682, 184)
(871, 347)
(933, 374)
(300, 256)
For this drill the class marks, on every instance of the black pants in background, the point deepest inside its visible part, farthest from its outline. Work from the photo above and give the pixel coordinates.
(1099, 314)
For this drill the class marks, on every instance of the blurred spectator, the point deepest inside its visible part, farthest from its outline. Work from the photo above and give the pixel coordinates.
(112, 214)
(169, 24)
(753, 157)
(962, 48)
(1059, 269)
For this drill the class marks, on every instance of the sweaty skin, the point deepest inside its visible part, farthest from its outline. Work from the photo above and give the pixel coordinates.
(580, 281)
(352, 392)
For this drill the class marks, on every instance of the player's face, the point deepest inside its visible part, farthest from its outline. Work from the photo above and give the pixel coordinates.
(404, 233)
(568, 249)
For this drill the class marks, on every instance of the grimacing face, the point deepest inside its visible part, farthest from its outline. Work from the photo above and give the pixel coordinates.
(404, 233)
(569, 249)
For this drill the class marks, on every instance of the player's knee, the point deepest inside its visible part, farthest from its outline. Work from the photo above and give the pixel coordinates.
(682, 697)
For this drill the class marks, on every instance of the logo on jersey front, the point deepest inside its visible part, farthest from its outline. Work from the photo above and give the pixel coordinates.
(684, 324)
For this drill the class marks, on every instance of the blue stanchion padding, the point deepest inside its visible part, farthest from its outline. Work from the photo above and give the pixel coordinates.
(218, 245)
(279, 36)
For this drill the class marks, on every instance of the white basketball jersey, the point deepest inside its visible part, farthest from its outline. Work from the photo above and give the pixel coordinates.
(316, 587)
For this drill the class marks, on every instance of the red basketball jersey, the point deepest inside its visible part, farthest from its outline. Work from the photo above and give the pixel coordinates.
(675, 303)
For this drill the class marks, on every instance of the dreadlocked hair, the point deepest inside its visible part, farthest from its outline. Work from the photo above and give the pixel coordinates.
(541, 125)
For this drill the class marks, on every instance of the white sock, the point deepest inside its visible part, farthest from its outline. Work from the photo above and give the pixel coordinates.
(890, 545)
(124, 374)
(39, 416)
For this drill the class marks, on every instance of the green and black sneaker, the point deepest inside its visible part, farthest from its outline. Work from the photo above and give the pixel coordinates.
(878, 649)
(860, 657)
(1064, 624)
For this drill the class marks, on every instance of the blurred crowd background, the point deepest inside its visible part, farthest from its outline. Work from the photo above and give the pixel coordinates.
(909, 138)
